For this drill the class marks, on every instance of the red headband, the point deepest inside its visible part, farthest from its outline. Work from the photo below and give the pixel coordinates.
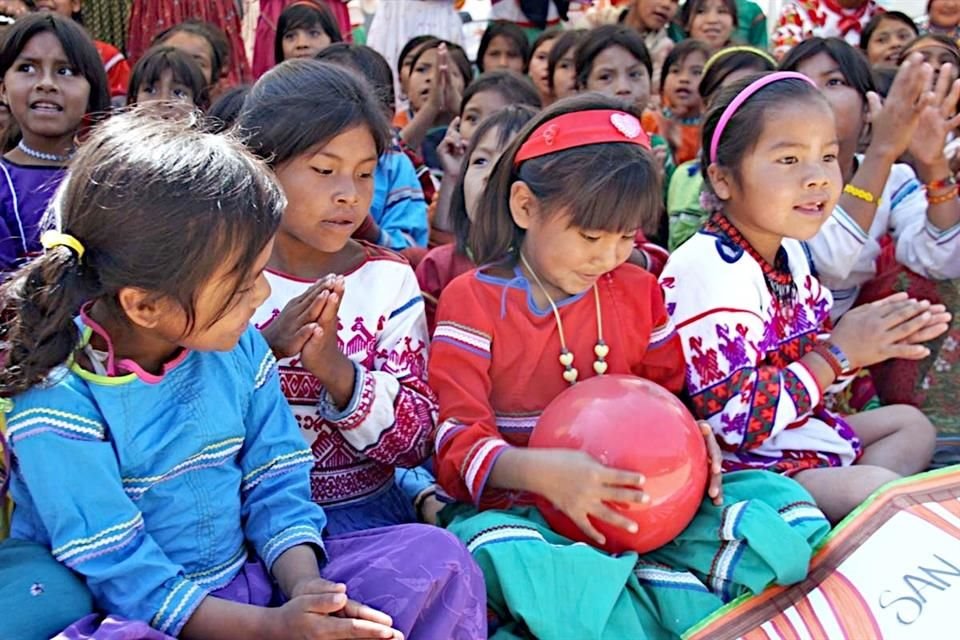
(580, 128)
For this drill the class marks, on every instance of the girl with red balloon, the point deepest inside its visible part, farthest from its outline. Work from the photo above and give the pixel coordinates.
(555, 365)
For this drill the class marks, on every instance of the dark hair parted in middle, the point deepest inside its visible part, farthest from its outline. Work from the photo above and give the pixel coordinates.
(300, 105)
(80, 49)
(605, 37)
(610, 187)
(896, 16)
(679, 54)
(456, 54)
(511, 32)
(307, 15)
(219, 45)
(506, 123)
(146, 73)
(373, 66)
(157, 205)
(744, 128)
(515, 89)
(851, 61)
(568, 40)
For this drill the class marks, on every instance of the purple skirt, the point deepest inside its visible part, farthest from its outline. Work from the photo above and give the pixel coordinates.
(421, 576)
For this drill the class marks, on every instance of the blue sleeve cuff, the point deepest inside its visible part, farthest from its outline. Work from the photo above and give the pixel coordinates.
(329, 411)
(291, 537)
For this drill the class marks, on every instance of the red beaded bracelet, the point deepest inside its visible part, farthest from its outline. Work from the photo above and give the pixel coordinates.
(824, 352)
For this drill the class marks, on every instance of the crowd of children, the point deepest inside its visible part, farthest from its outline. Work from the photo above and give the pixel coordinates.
(274, 345)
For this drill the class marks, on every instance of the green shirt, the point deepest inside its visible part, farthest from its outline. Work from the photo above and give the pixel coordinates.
(685, 216)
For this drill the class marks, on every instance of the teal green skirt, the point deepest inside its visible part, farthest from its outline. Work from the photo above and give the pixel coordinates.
(543, 585)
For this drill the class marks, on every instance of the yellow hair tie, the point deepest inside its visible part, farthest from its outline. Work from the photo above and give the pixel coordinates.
(723, 53)
(51, 239)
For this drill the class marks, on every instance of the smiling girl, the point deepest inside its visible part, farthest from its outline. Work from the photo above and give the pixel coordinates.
(754, 319)
(885, 36)
(52, 80)
(712, 22)
(943, 16)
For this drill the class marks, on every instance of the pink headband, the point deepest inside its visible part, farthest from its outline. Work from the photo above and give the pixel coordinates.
(745, 95)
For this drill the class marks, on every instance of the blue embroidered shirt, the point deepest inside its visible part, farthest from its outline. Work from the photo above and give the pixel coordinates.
(153, 487)
(398, 206)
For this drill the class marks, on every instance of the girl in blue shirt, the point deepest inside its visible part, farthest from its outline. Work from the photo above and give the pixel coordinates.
(153, 451)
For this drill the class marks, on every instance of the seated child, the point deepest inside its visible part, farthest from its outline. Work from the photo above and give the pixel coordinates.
(685, 212)
(398, 212)
(167, 75)
(345, 318)
(754, 320)
(896, 227)
(36, 46)
(155, 454)
(555, 303)
(446, 262)
(613, 60)
(488, 94)
(679, 118)
(439, 74)
(503, 47)
(561, 70)
(304, 29)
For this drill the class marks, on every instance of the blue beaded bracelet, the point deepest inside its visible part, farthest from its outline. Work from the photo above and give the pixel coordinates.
(839, 355)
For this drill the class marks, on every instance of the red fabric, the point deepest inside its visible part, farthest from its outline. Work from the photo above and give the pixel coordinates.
(902, 381)
(150, 17)
(116, 66)
(656, 255)
(435, 271)
(494, 364)
(689, 147)
(849, 20)
(580, 129)
(270, 11)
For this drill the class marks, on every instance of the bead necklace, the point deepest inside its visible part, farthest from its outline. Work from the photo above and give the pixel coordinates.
(778, 277)
(40, 155)
(600, 350)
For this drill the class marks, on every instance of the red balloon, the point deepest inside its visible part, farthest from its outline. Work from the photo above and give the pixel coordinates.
(632, 424)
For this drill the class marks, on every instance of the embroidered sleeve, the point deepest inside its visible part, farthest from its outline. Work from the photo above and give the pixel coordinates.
(392, 413)
(467, 441)
(921, 246)
(277, 510)
(403, 220)
(725, 343)
(75, 489)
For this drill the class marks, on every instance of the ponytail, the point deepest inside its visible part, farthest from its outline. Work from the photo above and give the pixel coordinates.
(40, 303)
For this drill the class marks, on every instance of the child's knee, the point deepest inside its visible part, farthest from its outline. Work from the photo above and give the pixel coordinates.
(871, 477)
(914, 422)
(441, 545)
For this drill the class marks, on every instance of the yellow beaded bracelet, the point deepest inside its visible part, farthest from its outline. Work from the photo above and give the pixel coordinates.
(861, 194)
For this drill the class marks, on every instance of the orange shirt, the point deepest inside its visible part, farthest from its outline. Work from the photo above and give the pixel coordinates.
(689, 147)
